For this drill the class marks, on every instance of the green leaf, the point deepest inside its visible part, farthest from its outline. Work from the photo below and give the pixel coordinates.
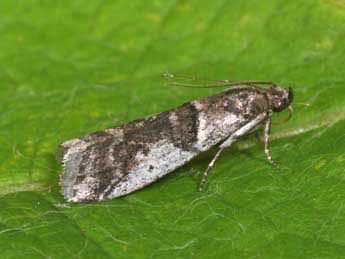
(68, 68)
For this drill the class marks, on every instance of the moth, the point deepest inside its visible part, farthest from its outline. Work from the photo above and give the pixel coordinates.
(120, 160)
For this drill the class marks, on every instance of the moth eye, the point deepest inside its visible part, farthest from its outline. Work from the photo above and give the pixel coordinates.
(277, 100)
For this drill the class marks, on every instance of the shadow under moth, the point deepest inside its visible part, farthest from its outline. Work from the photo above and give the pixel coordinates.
(117, 161)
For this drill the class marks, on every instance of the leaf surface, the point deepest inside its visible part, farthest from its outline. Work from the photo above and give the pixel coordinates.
(68, 68)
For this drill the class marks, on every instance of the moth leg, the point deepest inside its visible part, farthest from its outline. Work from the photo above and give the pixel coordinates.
(209, 167)
(227, 143)
(267, 139)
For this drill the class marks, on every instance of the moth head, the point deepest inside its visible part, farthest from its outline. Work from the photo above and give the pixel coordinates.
(280, 98)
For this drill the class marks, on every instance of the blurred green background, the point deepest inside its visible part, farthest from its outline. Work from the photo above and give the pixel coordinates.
(68, 68)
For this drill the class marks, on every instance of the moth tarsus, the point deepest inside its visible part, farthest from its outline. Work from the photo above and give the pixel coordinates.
(208, 169)
(120, 160)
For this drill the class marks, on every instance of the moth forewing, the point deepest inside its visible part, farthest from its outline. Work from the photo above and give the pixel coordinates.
(120, 160)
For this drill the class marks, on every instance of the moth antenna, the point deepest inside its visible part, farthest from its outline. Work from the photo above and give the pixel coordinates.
(225, 81)
(194, 86)
(230, 83)
(169, 75)
(222, 83)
